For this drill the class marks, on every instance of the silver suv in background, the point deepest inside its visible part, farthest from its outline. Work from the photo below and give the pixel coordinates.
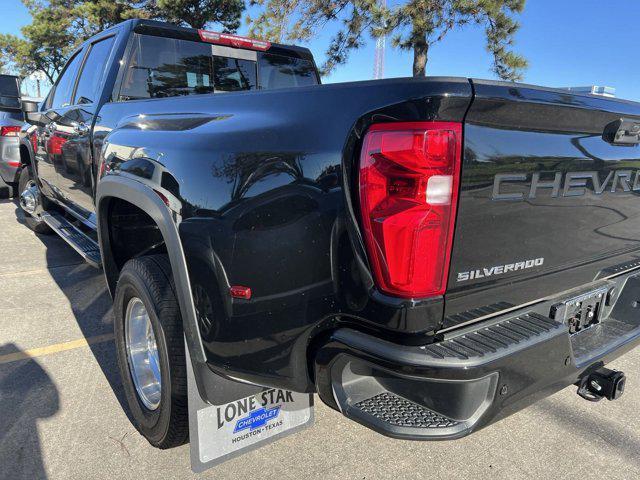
(11, 121)
(10, 125)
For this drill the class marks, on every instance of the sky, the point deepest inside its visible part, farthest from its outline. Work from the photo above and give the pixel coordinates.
(567, 43)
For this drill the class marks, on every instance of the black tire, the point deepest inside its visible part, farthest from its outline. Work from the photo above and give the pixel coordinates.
(149, 279)
(35, 223)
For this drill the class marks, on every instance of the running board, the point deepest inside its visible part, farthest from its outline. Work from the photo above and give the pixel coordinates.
(81, 243)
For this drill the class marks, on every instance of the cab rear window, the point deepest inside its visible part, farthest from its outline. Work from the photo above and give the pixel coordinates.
(166, 67)
(279, 71)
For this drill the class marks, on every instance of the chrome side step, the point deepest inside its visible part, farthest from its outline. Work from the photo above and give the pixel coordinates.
(81, 243)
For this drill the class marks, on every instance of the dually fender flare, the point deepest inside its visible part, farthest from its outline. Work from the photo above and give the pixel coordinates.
(138, 194)
(211, 387)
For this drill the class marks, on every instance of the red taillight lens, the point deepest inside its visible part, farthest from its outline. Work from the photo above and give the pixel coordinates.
(409, 176)
(9, 131)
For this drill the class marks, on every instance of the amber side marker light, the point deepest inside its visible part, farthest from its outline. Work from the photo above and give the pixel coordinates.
(408, 188)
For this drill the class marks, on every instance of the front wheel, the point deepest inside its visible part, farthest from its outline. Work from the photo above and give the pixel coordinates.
(30, 197)
(150, 349)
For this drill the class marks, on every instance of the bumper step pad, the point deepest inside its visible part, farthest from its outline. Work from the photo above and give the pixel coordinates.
(395, 410)
(492, 341)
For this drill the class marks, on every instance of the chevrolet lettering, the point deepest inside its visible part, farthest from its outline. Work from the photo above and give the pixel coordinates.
(569, 184)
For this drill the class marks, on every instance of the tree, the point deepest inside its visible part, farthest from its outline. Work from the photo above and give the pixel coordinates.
(56, 29)
(47, 40)
(414, 25)
(93, 16)
(199, 13)
(59, 26)
(420, 23)
(273, 22)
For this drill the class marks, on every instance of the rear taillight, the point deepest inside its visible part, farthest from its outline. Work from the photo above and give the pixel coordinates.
(409, 176)
(233, 40)
(11, 131)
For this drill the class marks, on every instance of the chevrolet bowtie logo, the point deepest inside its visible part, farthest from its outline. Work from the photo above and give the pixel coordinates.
(256, 419)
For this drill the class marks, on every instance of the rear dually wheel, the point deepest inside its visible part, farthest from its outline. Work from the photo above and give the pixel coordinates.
(150, 350)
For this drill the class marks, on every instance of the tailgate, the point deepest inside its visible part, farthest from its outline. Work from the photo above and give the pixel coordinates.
(546, 204)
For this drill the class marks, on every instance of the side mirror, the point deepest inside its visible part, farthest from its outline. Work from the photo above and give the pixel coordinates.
(33, 118)
(29, 106)
(31, 113)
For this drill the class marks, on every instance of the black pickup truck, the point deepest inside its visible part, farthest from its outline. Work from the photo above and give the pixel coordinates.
(429, 255)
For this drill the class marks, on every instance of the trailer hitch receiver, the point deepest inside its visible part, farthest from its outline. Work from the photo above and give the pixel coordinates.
(603, 383)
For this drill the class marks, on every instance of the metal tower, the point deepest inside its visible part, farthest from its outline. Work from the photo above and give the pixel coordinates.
(378, 68)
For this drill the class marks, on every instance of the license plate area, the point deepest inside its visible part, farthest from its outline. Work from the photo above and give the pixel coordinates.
(581, 311)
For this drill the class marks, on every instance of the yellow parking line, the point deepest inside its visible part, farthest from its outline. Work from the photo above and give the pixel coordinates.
(58, 347)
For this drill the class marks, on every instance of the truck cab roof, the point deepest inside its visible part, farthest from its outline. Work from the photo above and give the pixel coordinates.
(164, 29)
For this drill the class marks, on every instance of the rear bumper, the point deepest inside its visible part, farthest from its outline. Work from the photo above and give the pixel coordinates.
(477, 376)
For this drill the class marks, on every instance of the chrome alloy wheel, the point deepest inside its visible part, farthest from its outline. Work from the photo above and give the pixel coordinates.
(29, 198)
(142, 353)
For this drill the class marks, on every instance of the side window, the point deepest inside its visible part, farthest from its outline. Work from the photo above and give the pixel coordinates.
(93, 70)
(64, 87)
(167, 67)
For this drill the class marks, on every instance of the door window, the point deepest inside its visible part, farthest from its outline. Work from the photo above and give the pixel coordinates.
(64, 87)
(93, 72)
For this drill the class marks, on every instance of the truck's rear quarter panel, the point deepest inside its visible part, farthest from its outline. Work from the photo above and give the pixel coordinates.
(517, 131)
(264, 180)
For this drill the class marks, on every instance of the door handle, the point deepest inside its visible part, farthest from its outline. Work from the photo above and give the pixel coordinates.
(80, 128)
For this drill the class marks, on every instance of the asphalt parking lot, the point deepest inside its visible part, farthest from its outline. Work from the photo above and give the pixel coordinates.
(62, 417)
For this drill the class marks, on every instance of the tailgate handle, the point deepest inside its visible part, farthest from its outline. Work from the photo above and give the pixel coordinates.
(622, 132)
